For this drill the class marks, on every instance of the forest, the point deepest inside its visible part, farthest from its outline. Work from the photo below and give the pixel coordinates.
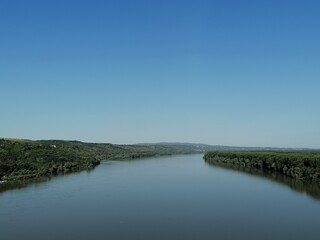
(24, 159)
(300, 165)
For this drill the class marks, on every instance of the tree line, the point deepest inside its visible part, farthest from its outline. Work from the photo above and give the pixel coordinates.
(304, 166)
(21, 159)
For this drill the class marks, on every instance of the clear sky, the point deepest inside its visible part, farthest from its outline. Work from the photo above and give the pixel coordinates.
(225, 72)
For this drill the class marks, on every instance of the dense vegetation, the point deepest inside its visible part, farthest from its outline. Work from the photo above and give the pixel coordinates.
(21, 159)
(304, 166)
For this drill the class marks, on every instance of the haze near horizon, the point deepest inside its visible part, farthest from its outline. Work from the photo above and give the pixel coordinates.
(239, 73)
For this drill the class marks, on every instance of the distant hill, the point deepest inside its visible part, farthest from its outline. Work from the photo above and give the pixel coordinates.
(199, 147)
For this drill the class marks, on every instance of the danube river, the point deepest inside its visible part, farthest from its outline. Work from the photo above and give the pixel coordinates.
(175, 197)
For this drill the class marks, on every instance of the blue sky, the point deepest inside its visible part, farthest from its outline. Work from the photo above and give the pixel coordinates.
(240, 73)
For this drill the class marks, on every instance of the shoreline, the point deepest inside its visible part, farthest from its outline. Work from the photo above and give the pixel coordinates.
(303, 166)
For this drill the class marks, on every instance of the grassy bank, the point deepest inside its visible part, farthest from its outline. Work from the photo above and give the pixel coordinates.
(23, 159)
(303, 166)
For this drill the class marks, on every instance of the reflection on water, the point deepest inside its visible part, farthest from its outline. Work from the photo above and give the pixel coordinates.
(311, 189)
(21, 183)
(18, 184)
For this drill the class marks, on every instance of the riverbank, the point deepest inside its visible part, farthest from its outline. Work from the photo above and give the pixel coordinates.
(26, 159)
(303, 166)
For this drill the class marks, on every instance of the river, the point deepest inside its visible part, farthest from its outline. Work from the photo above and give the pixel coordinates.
(175, 197)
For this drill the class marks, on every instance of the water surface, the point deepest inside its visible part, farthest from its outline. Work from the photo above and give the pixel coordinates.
(177, 197)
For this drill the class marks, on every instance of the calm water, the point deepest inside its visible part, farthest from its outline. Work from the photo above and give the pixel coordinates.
(179, 197)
